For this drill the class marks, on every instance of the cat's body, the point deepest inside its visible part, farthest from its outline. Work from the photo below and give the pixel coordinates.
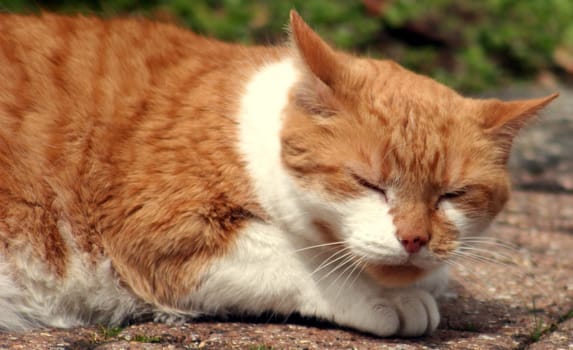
(146, 169)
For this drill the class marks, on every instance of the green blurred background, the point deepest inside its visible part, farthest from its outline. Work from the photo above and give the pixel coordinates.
(471, 45)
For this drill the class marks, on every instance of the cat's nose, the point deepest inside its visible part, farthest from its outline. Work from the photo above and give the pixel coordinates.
(413, 242)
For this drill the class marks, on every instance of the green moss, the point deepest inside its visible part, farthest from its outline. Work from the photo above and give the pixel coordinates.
(260, 347)
(110, 332)
(146, 338)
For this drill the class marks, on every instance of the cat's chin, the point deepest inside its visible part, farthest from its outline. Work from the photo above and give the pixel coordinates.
(395, 275)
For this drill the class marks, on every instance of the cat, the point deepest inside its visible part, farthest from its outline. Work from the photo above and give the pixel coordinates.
(145, 169)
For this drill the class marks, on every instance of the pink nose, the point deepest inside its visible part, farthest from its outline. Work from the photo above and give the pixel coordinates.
(414, 243)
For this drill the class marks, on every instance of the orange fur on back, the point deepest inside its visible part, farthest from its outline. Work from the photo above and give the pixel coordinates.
(114, 127)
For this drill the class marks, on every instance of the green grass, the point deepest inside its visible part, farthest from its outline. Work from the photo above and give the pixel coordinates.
(260, 347)
(541, 328)
(110, 332)
(567, 316)
(146, 338)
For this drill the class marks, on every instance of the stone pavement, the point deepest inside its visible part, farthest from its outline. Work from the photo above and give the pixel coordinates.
(515, 296)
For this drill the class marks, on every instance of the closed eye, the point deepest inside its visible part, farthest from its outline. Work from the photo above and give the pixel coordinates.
(452, 195)
(364, 183)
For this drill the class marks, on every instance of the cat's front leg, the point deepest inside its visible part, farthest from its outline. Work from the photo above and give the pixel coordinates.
(264, 272)
(365, 306)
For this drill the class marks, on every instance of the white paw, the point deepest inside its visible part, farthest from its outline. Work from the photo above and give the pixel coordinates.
(407, 313)
(417, 311)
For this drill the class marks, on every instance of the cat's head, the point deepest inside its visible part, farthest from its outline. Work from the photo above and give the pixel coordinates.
(394, 164)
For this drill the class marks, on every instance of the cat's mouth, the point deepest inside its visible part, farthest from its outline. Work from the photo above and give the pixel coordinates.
(395, 275)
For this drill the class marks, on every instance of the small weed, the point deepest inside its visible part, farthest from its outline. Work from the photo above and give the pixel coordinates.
(260, 347)
(566, 317)
(540, 328)
(146, 338)
(536, 333)
(110, 332)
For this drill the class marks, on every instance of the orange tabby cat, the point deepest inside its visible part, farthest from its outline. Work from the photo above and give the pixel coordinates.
(144, 168)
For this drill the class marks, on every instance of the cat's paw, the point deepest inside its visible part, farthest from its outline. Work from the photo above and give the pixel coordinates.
(407, 313)
(417, 311)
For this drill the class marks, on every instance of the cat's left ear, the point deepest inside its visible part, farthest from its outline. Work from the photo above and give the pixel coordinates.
(505, 119)
(316, 54)
(323, 66)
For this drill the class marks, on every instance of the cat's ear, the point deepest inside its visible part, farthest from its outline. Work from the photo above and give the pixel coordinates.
(317, 92)
(507, 118)
(503, 120)
(314, 52)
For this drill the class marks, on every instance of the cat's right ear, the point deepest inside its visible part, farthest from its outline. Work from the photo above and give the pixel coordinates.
(503, 120)
(315, 53)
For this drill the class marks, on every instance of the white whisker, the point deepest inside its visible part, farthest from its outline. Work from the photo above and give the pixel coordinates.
(349, 267)
(358, 266)
(318, 246)
(348, 257)
(332, 260)
(491, 254)
(491, 241)
(483, 259)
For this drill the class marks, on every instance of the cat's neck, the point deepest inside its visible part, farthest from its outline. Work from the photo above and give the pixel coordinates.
(260, 120)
